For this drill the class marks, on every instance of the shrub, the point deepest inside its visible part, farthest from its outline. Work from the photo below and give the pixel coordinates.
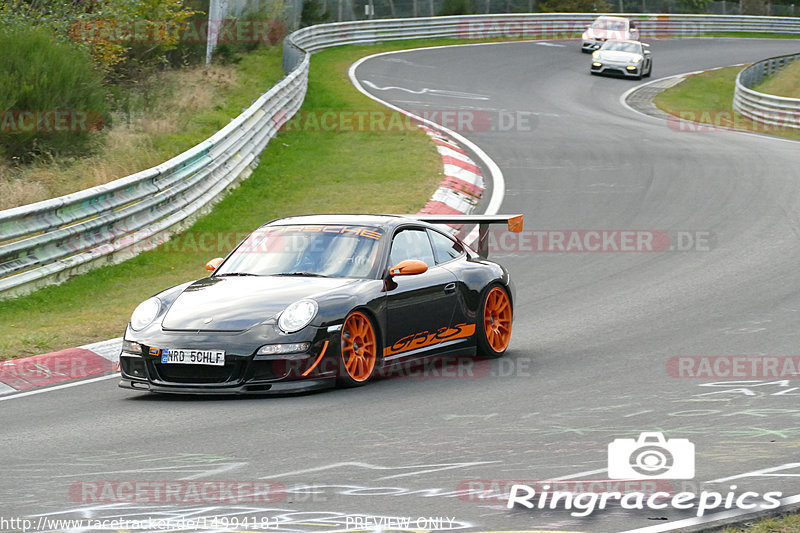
(457, 7)
(52, 100)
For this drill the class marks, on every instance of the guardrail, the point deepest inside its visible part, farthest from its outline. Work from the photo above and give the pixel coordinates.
(764, 108)
(46, 242)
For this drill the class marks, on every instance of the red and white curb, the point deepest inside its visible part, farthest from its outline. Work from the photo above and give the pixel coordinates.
(50, 368)
(462, 186)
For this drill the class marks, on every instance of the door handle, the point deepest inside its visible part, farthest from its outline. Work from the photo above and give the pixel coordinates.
(450, 288)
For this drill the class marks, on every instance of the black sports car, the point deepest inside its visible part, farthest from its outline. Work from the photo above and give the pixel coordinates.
(312, 301)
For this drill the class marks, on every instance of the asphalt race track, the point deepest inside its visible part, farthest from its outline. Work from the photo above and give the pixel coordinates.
(597, 337)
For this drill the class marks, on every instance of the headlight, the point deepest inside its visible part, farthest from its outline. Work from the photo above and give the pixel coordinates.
(596, 54)
(297, 316)
(636, 59)
(145, 313)
(277, 349)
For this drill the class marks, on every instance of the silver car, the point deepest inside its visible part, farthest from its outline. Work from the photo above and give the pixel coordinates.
(607, 28)
(632, 59)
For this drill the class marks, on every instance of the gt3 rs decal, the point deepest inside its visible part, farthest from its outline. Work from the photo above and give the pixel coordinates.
(427, 338)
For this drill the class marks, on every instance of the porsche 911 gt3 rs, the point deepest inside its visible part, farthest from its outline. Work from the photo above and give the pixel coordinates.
(314, 301)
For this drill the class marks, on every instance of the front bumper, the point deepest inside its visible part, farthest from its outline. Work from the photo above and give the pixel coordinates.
(287, 387)
(243, 372)
(633, 70)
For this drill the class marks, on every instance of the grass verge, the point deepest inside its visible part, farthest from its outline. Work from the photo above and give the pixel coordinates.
(783, 524)
(301, 171)
(707, 98)
(784, 83)
(154, 120)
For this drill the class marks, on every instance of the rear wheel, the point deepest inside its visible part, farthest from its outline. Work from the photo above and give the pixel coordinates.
(359, 348)
(495, 320)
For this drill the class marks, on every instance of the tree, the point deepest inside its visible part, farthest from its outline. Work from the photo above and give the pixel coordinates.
(574, 6)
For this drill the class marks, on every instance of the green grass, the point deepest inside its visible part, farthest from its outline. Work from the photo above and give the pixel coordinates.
(153, 120)
(708, 98)
(752, 35)
(300, 172)
(784, 83)
(783, 524)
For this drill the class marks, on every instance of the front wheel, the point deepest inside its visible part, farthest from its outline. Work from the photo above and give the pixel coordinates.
(359, 349)
(495, 320)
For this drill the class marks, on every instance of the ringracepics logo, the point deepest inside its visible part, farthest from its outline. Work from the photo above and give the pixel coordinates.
(649, 457)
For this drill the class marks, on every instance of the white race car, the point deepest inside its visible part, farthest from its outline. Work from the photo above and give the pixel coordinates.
(608, 28)
(632, 59)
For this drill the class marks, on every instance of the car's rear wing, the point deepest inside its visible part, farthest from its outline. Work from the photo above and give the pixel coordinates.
(514, 223)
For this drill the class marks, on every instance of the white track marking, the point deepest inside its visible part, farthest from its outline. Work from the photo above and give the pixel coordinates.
(766, 472)
(498, 181)
(418, 469)
(425, 90)
(58, 387)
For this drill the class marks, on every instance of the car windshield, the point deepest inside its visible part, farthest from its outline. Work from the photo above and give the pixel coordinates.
(610, 25)
(622, 47)
(308, 250)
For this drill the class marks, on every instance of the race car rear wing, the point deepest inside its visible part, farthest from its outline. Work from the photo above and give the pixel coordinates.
(514, 223)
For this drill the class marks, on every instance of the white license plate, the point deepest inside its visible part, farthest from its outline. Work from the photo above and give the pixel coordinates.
(193, 357)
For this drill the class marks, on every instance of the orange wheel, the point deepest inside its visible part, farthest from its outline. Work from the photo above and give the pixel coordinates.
(497, 318)
(359, 349)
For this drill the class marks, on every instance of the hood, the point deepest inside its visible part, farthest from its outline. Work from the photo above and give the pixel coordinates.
(239, 303)
(617, 55)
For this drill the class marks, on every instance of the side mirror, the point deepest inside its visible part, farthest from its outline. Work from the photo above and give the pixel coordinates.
(408, 267)
(214, 263)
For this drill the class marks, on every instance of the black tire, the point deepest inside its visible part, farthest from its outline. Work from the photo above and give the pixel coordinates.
(497, 319)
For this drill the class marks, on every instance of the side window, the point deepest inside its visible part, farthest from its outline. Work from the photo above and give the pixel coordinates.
(444, 247)
(411, 244)
(633, 26)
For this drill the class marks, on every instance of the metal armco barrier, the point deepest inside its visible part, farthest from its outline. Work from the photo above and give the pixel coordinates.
(761, 108)
(49, 241)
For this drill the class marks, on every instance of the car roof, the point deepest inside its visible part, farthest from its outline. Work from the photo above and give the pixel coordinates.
(623, 41)
(384, 221)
